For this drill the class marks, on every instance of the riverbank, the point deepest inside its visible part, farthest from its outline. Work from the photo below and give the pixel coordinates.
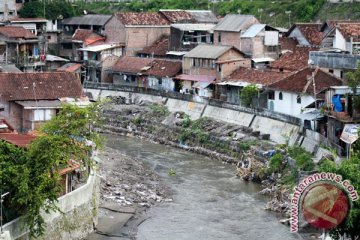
(128, 189)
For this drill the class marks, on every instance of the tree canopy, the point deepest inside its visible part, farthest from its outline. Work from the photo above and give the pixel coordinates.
(31, 175)
(54, 9)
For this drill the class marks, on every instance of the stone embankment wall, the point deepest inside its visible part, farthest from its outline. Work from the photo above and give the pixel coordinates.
(280, 128)
(76, 220)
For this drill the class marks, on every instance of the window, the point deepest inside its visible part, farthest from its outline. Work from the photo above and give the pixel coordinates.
(219, 67)
(219, 38)
(42, 114)
(280, 96)
(49, 37)
(271, 95)
(160, 81)
(331, 70)
(298, 99)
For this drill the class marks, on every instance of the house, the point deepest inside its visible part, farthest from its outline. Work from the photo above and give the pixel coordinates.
(293, 60)
(186, 36)
(228, 31)
(35, 25)
(157, 50)
(94, 22)
(229, 88)
(75, 68)
(215, 61)
(341, 49)
(21, 47)
(145, 72)
(8, 10)
(136, 30)
(307, 34)
(83, 38)
(299, 91)
(201, 86)
(32, 98)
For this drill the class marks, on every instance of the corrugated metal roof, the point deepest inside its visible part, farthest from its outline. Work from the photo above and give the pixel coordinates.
(234, 23)
(53, 58)
(19, 140)
(98, 48)
(203, 16)
(194, 27)
(90, 19)
(253, 30)
(207, 51)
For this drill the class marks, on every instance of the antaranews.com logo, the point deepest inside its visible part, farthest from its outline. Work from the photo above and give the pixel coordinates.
(324, 199)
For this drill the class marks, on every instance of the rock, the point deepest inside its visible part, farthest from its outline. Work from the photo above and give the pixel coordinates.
(285, 221)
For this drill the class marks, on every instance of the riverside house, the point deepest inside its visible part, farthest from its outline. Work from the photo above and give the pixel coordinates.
(30, 99)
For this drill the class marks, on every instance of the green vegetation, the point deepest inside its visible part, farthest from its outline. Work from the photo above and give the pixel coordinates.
(194, 130)
(55, 9)
(31, 176)
(159, 110)
(248, 94)
(171, 172)
(275, 162)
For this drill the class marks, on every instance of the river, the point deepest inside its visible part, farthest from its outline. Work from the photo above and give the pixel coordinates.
(209, 201)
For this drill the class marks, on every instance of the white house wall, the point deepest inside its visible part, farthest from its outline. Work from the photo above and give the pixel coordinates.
(288, 105)
(339, 41)
(167, 84)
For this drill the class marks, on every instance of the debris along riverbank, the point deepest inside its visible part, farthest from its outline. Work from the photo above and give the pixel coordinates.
(257, 159)
(128, 188)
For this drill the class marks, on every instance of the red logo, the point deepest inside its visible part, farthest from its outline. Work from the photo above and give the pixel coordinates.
(325, 206)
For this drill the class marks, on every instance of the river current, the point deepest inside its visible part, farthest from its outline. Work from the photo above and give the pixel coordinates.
(209, 201)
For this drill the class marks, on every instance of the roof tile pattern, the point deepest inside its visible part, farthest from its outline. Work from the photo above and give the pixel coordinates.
(295, 60)
(39, 86)
(254, 76)
(142, 18)
(159, 47)
(299, 81)
(19, 140)
(350, 30)
(147, 66)
(311, 32)
(177, 16)
(288, 43)
(16, 32)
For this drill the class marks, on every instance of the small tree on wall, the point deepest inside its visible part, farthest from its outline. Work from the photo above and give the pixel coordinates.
(248, 94)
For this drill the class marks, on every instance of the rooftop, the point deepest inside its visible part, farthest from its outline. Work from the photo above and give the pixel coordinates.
(303, 81)
(349, 30)
(194, 26)
(288, 43)
(164, 68)
(311, 31)
(177, 16)
(253, 76)
(28, 20)
(295, 60)
(158, 48)
(142, 18)
(208, 51)
(132, 65)
(70, 67)
(236, 23)
(20, 140)
(16, 32)
(88, 20)
(86, 36)
(39, 86)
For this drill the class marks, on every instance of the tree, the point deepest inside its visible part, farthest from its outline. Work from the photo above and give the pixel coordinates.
(32, 176)
(54, 9)
(248, 94)
(354, 78)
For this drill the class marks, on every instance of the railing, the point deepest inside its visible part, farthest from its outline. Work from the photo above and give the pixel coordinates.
(188, 97)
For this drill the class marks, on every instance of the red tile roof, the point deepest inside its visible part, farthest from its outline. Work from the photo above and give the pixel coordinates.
(87, 36)
(142, 18)
(133, 65)
(295, 60)
(288, 43)
(255, 76)
(177, 16)
(164, 68)
(19, 140)
(39, 86)
(16, 32)
(349, 30)
(311, 31)
(147, 66)
(159, 48)
(70, 67)
(302, 81)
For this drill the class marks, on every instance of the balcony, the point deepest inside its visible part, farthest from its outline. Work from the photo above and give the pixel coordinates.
(30, 61)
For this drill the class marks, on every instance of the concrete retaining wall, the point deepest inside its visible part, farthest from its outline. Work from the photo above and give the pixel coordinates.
(78, 217)
(279, 131)
(228, 115)
(194, 110)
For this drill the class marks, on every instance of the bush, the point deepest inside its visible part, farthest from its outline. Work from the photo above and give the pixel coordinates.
(247, 95)
(275, 162)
